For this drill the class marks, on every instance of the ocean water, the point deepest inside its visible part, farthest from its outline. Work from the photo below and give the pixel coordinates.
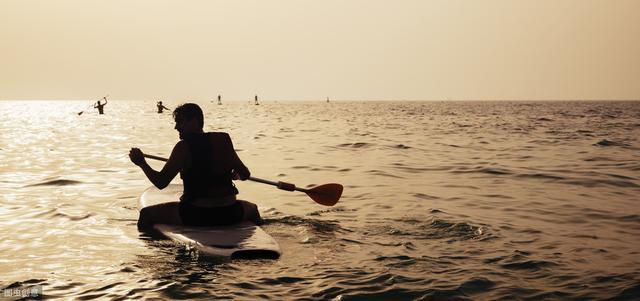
(442, 201)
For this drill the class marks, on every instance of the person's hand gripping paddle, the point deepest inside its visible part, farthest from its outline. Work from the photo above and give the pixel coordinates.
(327, 194)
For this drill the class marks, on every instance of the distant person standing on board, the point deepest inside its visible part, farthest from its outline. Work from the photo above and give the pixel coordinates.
(207, 163)
(161, 107)
(255, 99)
(219, 99)
(100, 106)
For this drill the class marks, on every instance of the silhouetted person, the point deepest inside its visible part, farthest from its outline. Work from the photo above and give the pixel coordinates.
(161, 107)
(207, 163)
(255, 100)
(219, 99)
(100, 106)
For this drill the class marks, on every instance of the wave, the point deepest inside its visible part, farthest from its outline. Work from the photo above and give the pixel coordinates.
(561, 176)
(72, 217)
(316, 225)
(356, 145)
(521, 260)
(425, 196)
(600, 182)
(376, 172)
(435, 228)
(606, 142)
(485, 170)
(439, 228)
(401, 146)
(529, 265)
(59, 182)
(544, 176)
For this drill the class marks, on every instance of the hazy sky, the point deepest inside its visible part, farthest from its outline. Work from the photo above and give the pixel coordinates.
(298, 49)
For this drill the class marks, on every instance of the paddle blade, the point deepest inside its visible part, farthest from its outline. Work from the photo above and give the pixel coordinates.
(327, 194)
(80, 113)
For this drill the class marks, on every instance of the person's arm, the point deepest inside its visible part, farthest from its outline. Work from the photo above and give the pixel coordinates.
(239, 169)
(105, 100)
(162, 178)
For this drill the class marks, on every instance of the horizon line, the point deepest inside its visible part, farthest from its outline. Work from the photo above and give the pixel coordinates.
(324, 100)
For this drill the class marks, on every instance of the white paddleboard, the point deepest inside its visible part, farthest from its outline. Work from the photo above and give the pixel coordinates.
(242, 240)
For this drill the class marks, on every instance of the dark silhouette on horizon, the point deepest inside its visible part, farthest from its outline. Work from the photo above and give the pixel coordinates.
(161, 107)
(100, 106)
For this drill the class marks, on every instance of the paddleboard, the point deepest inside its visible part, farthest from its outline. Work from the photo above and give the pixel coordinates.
(242, 240)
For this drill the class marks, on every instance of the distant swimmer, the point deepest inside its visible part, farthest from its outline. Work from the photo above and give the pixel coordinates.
(219, 99)
(100, 106)
(161, 107)
(255, 100)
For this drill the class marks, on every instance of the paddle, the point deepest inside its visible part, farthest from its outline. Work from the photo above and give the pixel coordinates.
(80, 113)
(327, 194)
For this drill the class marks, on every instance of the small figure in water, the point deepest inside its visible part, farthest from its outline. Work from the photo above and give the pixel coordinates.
(255, 100)
(207, 163)
(327, 99)
(161, 107)
(219, 99)
(100, 106)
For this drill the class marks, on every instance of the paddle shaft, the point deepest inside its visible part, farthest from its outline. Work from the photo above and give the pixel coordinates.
(281, 185)
(89, 106)
(155, 157)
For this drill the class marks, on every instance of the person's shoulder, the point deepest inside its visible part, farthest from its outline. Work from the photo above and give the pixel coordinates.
(180, 150)
(218, 134)
(181, 145)
(220, 137)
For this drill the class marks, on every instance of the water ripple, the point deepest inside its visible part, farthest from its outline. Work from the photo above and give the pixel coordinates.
(57, 182)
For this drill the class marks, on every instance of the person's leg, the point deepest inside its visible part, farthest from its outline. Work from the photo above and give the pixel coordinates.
(251, 212)
(166, 213)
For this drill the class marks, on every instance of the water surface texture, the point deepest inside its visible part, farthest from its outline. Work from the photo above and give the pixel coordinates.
(442, 201)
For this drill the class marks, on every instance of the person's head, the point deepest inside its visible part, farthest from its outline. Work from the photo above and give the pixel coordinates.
(160, 102)
(189, 119)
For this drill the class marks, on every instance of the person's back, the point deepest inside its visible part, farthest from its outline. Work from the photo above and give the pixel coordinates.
(100, 106)
(211, 162)
(161, 107)
(209, 193)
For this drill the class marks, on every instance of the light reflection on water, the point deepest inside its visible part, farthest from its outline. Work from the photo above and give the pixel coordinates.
(443, 200)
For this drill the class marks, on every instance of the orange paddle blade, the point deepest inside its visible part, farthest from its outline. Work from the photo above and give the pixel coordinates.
(327, 194)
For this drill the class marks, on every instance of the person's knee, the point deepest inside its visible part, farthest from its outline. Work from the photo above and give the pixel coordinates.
(252, 213)
(144, 213)
(142, 226)
(144, 220)
(257, 218)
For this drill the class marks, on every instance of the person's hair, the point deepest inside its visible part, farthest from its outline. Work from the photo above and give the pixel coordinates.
(189, 111)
